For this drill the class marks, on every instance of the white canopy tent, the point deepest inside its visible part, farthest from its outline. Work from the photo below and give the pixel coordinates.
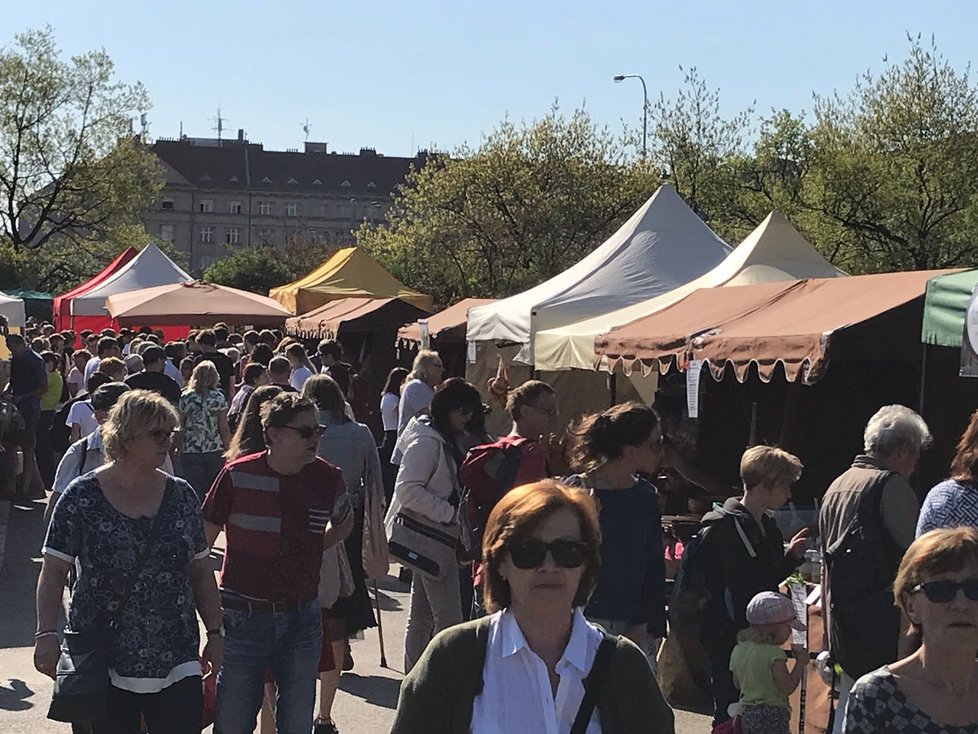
(148, 269)
(661, 247)
(12, 309)
(774, 251)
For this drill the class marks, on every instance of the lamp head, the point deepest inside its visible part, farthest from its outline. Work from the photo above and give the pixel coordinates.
(618, 78)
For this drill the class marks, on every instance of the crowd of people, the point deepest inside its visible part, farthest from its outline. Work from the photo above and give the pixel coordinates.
(538, 595)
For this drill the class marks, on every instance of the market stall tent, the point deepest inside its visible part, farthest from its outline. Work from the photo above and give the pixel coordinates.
(151, 267)
(774, 251)
(348, 273)
(62, 303)
(194, 303)
(12, 309)
(447, 326)
(662, 246)
(945, 304)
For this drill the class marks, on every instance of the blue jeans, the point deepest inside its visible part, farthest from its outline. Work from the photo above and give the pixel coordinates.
(286, 645)
(200, 470)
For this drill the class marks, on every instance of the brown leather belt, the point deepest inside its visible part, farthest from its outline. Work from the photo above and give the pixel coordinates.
(259, 606)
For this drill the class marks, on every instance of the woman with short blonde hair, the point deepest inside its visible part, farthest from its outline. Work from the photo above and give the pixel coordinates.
(204, 427)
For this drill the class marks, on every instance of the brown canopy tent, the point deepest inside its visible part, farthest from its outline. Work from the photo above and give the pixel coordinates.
(194, 303)
(349, 315)
(798, 325)
(446, 326)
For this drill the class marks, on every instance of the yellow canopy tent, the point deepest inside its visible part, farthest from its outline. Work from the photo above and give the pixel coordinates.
(348, 273)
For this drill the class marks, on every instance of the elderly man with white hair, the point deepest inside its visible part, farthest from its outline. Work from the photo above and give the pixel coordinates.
(867, 520)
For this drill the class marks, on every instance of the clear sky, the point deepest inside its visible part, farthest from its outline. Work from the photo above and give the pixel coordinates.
(404, 75)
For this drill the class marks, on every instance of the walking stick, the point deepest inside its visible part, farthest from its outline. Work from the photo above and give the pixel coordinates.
(380, 626)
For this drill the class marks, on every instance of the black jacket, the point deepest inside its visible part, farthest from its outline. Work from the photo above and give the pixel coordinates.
(733, 577)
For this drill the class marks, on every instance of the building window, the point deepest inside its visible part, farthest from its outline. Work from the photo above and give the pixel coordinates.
(234, 207)
(264, 235)
(166, 232)
(265, 208)
(291, 210)
(166, 204)
(205, 206)
(232, 235)
(206, 235)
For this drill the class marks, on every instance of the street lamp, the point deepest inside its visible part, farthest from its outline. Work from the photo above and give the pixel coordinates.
(618, 78)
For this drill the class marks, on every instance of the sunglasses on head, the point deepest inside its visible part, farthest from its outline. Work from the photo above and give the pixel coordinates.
(530, 553)
(944, 591)
(308, 432)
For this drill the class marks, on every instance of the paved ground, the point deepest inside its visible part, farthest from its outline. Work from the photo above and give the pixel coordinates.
(364, 705)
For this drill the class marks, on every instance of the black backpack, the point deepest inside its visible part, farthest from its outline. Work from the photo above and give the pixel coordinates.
(60, 431)
(862, 565)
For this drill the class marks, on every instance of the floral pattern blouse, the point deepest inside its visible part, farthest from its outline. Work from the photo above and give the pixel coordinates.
(201, 434)
(158, 630)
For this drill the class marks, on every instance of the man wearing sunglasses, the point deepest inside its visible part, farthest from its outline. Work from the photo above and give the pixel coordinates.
(867, 520)
(279, 510)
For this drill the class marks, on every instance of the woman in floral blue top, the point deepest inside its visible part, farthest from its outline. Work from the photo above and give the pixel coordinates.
(204, 428)
(102, 523)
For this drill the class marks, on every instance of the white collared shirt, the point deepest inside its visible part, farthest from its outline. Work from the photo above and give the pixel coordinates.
(516, 694)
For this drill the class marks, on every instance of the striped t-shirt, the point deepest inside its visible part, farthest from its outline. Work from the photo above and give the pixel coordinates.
(274, 525)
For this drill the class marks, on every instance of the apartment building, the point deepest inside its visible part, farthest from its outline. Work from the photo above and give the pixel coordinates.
(223, 194)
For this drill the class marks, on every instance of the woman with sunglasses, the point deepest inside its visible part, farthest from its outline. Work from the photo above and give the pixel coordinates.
(523, 668)
(105, 522)
(617, 450)
(934, 690)
(427, 491)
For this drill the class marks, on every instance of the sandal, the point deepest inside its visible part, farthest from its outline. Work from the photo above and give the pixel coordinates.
(325, 727)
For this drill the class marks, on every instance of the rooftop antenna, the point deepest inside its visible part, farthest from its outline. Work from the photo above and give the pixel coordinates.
(143, 125)
(181, 129)
(220, 122)
(306, 128)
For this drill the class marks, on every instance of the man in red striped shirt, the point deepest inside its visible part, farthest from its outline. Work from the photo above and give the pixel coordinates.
(279, 509)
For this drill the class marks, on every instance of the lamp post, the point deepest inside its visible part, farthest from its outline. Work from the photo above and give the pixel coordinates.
(618, 78)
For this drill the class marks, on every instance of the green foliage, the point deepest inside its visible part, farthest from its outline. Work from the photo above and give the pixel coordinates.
(255, 269)
(70, 168)
(528, 202)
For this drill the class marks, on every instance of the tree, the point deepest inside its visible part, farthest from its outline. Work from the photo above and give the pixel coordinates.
(896, 166)
(528, 202)
(70, 168)
(255, 269)
(698, 149)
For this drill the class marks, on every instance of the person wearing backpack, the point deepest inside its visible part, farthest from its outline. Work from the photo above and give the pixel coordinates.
(739, 554)
(867, 520)
(490, 470)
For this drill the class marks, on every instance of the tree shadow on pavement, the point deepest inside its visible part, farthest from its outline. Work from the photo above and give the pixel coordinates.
(373, 689)
(14, 697)
(388, 603)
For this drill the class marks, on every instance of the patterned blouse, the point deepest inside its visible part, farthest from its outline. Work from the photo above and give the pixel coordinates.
(201, 435)
(157, 641)
(949, 504)
(877, 705)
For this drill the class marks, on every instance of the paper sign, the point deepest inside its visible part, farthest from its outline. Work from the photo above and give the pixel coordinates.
(693, 371)
(471, 353)
(799, 595)
(423, 326)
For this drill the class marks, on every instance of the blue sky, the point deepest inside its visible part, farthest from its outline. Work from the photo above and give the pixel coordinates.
(404, 75)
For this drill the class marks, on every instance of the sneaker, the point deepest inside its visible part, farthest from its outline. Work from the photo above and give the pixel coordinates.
(348, 658)
(325, 727)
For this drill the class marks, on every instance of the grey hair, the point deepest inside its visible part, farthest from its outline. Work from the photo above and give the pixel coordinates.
(419, 370)
(893, 427)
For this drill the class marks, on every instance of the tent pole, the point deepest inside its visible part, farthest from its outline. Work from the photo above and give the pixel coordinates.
(923, 379)
(613, 388)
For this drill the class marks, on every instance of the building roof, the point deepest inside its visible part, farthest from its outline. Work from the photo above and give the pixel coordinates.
(247, 166)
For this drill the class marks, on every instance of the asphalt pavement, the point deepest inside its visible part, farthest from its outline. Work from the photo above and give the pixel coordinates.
(365, 703)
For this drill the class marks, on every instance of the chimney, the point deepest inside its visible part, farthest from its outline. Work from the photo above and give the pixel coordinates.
(315, 147)
(368, 152)
(241, 136)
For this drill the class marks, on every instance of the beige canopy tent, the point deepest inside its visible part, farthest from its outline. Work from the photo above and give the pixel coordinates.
(194, 303)
(444, 326)
(348, 273)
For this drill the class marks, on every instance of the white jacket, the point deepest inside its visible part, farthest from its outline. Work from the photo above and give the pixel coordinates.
(427, 477)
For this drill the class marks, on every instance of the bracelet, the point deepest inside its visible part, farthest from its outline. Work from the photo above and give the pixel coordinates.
(217, 632)
(45, 633)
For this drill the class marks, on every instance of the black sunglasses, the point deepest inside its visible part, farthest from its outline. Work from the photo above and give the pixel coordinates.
(308, 432)
(531, 553)
(944, 591)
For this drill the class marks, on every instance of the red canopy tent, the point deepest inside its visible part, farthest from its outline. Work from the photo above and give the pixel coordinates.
(62, 303)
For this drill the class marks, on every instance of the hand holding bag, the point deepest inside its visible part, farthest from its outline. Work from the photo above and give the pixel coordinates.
(81, 686)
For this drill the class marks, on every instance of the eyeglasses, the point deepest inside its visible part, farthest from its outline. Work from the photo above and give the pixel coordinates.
(161, 436)
(531, 553)
(308, 432)
(944, 591)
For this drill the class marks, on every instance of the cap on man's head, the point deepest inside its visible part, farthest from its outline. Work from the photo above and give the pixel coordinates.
(769, 607)
(108, 394)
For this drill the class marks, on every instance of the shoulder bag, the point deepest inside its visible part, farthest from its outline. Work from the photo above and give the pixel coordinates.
(593, 683)
(81, 686)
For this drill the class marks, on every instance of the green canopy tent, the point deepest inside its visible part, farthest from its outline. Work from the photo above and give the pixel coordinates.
(37, 304)
(945, 303)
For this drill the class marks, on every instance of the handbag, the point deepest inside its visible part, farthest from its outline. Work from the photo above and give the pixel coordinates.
(81, 685)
